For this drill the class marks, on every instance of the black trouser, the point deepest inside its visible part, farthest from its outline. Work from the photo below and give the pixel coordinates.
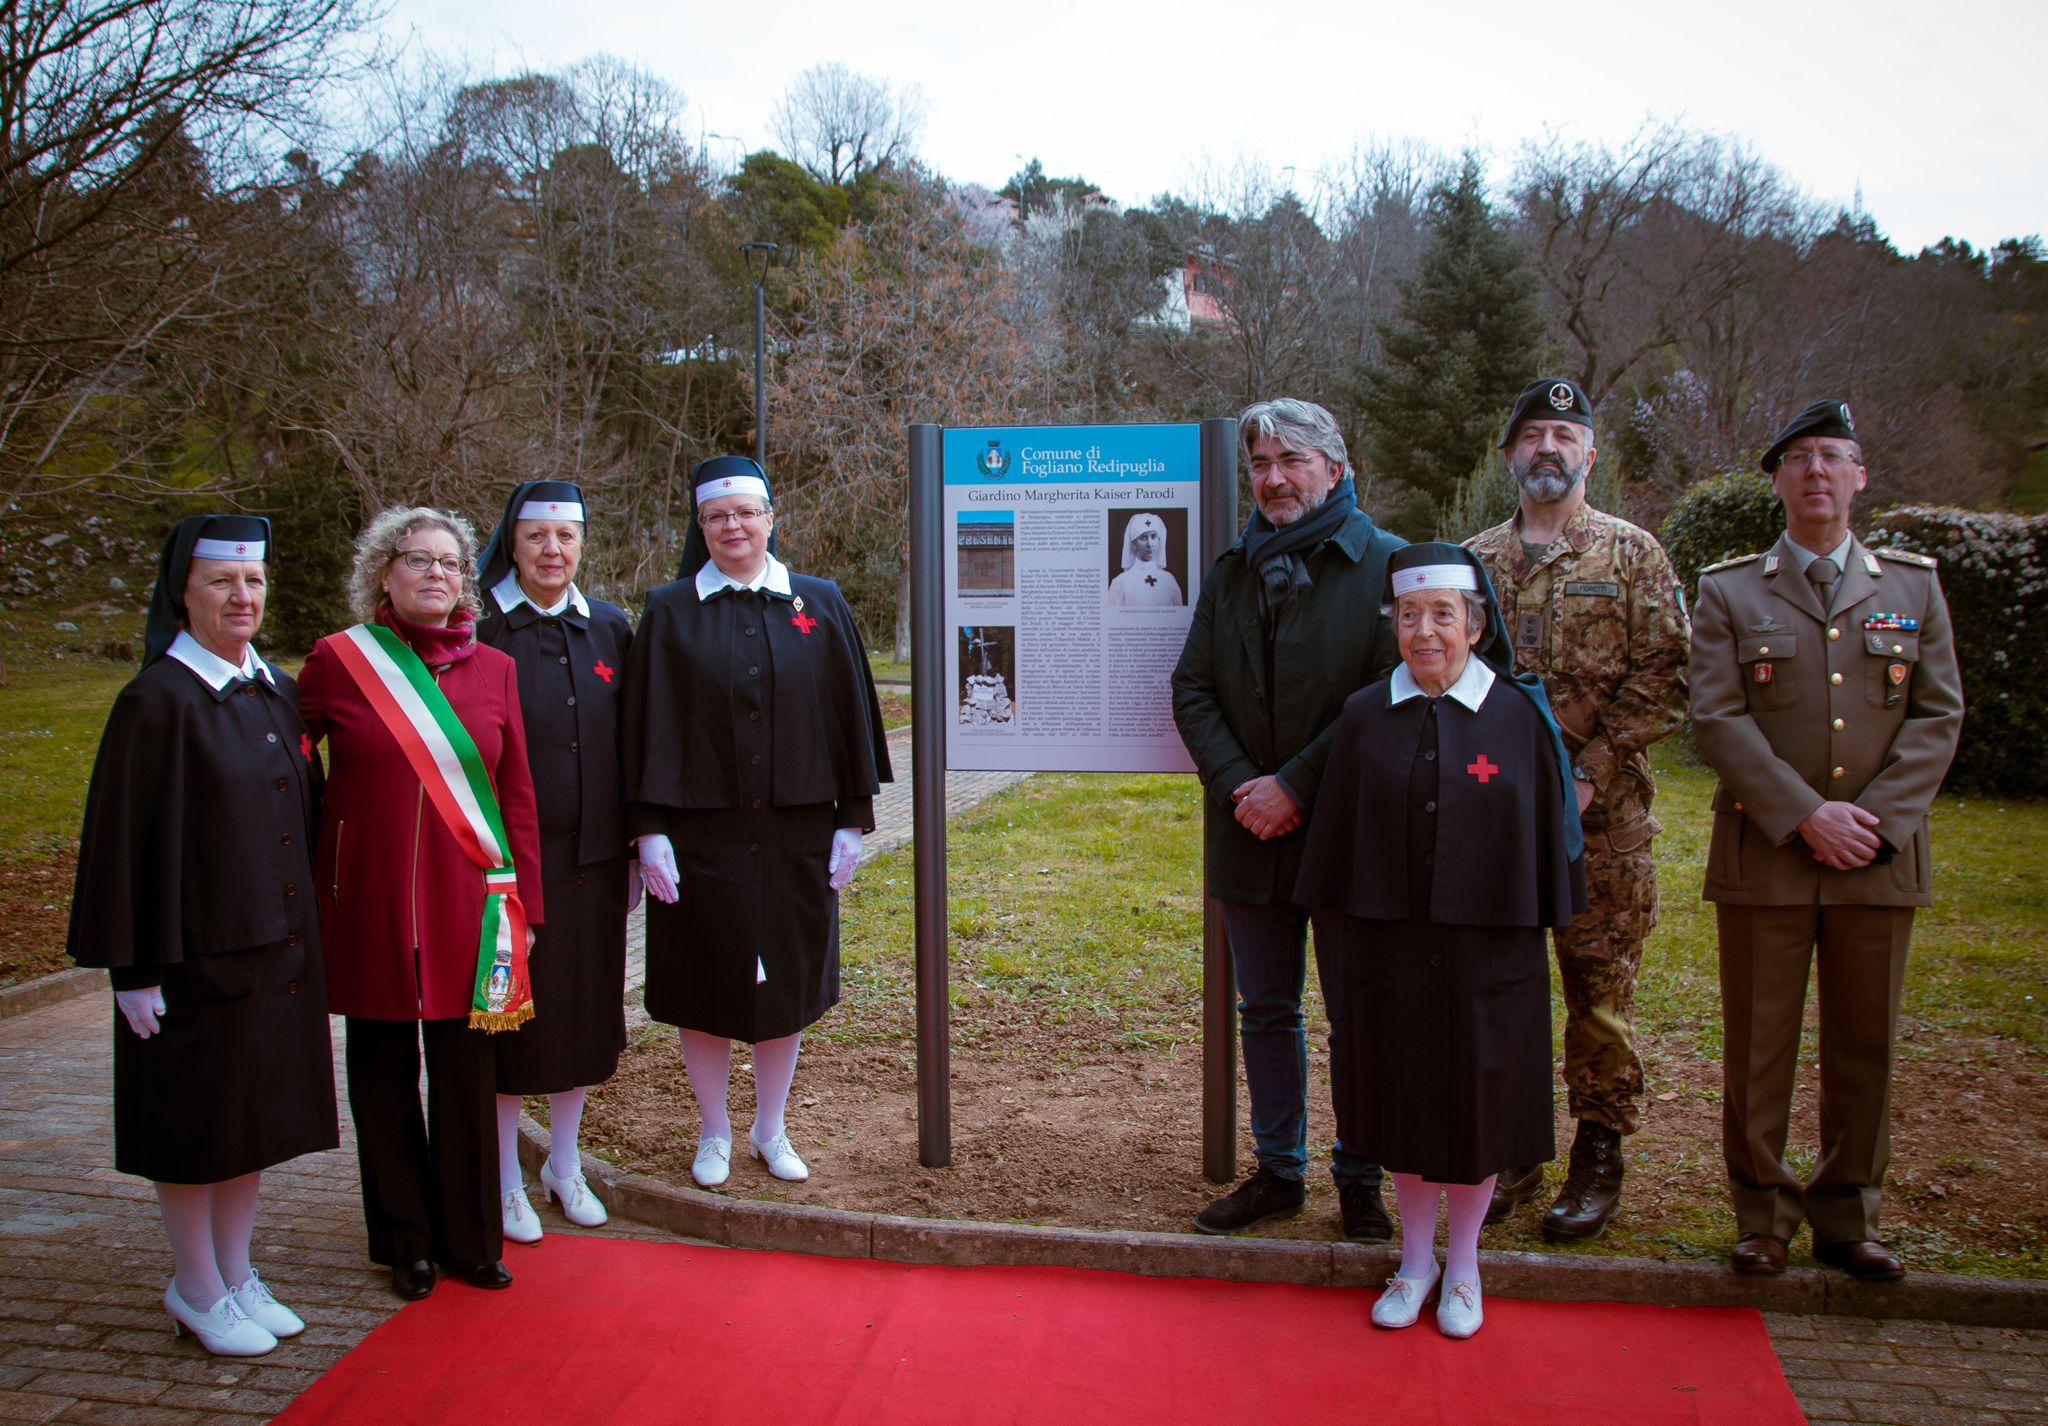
(430, 1187)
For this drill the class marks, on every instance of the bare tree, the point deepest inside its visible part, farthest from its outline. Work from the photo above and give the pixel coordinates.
(840, 124)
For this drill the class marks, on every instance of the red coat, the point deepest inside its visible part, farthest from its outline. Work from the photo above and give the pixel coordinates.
(390, 875)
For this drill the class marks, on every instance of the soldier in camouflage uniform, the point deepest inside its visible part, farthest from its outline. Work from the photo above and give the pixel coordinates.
(1595, 611)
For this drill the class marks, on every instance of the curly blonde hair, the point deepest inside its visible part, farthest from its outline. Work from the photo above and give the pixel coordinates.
(385, 536)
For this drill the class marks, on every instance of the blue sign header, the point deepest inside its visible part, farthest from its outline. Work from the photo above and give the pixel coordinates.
(1024, 456)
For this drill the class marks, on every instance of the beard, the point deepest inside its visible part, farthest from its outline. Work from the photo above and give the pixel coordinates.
(1547, 479)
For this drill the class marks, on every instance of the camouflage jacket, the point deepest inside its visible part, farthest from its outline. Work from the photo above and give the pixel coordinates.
(1599, 617)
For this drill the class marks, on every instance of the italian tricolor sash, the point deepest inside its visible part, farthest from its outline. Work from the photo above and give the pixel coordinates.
(444, 756)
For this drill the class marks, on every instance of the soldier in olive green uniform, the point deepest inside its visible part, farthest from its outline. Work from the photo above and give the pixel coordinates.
(1825, 694)
(1595, 611)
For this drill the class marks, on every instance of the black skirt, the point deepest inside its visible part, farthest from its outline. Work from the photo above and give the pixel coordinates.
(240, 1077)
(753, 888)
(1451, 1066)
(578, 1027)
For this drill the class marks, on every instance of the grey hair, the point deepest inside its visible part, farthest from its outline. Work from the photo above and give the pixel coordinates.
(380, 542)
(1298, 425)
(1475, 612)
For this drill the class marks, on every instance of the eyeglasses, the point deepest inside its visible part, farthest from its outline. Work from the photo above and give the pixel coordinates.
(719, 519)
(419, 562)
(1835, 461)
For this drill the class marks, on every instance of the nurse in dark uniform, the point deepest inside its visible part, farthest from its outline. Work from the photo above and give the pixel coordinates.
(754, 749)
(571, 652)
(195, 892)
(1446, 840)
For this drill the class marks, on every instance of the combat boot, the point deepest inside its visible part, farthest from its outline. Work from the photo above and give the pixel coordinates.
(1592, 1187)
(1513, 1189)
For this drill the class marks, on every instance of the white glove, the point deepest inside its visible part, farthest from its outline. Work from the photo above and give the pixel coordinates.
(636, 885)
(658, 865)
(140, 1008)
(845, 857)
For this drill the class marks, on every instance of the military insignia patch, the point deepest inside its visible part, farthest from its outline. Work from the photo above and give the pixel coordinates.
(1763, 673)
(1561, 397)
(1896, 673)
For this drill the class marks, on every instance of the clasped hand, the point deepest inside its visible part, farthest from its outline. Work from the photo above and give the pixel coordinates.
(1841, 835)
(140, 1009)
(658, 866)
(1264, 808)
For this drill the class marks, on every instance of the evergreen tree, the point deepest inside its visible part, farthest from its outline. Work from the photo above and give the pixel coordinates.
(1463, 346)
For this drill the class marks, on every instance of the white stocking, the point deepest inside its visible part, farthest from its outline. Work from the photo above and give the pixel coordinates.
(509, 1177)
(1417, 1197)
(774, 1072)
(187, 1210)
(708, 1059)
(234, 1223)
(565, 1120)
(1467, 1213)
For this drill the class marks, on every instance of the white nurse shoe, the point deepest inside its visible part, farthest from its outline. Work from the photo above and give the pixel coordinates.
(1459, 1314)
(780, 1158)
(254, 1298)
(714, 1161)
(522, 1224)
(579, 1204)
(221, 1329)
(1402, 1302)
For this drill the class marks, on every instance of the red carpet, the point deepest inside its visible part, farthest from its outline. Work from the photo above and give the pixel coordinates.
(601, 1330)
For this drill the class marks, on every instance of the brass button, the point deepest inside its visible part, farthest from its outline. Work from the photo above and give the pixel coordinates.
(279, 784)
(1839, 725)
(1835, 678)
(1840, 774)
(1764, 649)
(1834, 633)
(285, 840)
(292, 989)
(292, 940)
(291, 888)
(1898, 648)
(574, 748)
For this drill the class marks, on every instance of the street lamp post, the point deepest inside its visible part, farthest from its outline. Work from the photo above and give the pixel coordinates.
(758, 256)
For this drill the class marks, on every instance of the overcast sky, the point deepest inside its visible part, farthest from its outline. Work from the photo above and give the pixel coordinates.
(1925, 106)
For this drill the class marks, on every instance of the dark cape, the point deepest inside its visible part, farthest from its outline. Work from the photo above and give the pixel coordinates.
(752, 732)
(1435, 861)
(194, 874)
(572, 672)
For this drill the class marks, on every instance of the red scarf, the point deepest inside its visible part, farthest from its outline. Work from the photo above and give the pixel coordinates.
(437, 647)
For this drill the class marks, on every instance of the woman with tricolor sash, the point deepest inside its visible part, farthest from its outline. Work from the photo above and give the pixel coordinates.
(194, 891)
(754, 749)
(429, 884)
(571, 652)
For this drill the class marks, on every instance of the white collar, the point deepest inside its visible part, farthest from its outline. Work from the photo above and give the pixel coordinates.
(1471, 688)
(510, 596)
(213, 670)
(1803, 557)
(774, 577)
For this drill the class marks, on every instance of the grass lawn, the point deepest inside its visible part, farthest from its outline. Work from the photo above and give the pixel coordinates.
(1078, 898)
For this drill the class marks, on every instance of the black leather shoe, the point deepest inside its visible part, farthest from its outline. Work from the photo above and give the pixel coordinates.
(1592, 1186)
(491, 1276)
(1365, 1216)
(1261, 1197)
(1513, 1189)
(1871, 1261)
(412, 1281)
(1758, 1255)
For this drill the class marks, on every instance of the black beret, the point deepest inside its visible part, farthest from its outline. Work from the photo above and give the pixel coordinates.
(1822, 418)
(1552, 398)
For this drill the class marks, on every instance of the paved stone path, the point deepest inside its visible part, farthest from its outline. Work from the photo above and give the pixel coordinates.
(83, 1337)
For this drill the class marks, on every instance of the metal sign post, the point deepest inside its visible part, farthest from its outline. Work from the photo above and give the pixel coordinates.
(1219, 983)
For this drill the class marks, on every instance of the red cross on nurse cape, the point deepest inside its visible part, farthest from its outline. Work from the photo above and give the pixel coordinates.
(804, 623)
(306, 746)
(603, 671)
(1484, 770)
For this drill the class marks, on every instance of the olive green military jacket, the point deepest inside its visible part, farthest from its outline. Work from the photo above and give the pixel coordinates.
(1794, 706)
(1330, 643)
(1599, 617)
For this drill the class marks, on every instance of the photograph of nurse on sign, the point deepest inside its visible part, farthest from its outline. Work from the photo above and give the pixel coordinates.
(1144, 556)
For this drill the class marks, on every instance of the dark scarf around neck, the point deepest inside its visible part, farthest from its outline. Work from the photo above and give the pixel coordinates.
(1278, 552)
(437, 648)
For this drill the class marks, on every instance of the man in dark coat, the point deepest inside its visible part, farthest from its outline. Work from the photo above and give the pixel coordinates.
(1286, 628)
